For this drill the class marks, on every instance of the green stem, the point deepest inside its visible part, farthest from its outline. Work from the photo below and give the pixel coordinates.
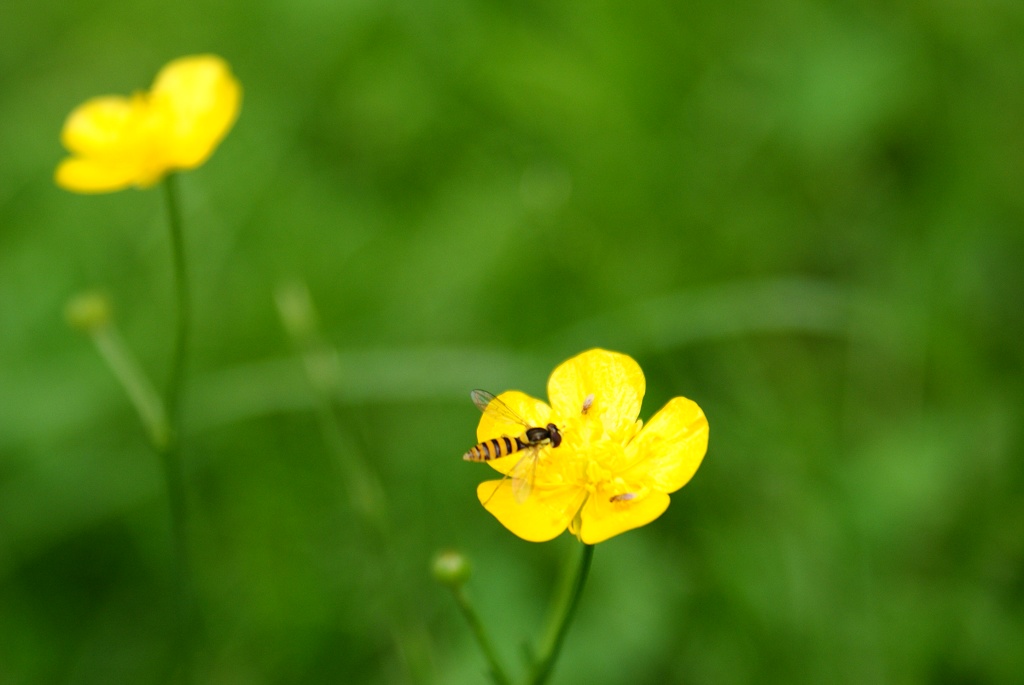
(135, 383)
(562, 619)
(498, 672)
(366, 495)
(170, 453)
(182, 310)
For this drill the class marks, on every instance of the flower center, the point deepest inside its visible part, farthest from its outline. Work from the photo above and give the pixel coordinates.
(596, 475)
(590, 456)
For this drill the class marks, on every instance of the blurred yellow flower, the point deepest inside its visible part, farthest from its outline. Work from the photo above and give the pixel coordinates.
(117, 142)
(610, 474)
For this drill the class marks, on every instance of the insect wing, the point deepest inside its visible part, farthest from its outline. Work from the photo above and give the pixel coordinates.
(524, 473)
(489, 404)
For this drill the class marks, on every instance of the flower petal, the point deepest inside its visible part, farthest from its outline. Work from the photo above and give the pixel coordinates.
(667, 452)
(104, 126)
(496, 422)
(200, 99)
(544, 514)
(602, 518)
(616, 382)
(94, 176)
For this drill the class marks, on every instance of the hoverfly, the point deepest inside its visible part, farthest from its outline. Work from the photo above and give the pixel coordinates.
(529, 442)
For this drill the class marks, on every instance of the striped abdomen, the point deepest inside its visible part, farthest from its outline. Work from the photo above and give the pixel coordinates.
(495, 448)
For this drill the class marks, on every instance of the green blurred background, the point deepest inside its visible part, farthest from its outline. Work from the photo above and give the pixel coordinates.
(805, 216)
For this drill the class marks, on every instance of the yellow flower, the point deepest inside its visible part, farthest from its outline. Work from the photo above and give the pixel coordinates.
(118, 141)
(610, 473)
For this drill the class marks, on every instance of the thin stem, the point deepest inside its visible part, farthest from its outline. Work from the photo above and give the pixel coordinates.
(136, 384)
(364, 491)
(298, 315)
(182, 310)
(170, 453)
(498, 672)
(562, 619)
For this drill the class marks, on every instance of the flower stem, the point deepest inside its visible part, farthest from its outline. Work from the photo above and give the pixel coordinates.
(365, 493)
(182, 310)
(170, 451)
(498, 673)
(136, 384)
(562, 618)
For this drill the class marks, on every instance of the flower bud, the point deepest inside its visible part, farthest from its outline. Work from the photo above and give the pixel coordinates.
(295, 306)
(451, 568)
(88, 312)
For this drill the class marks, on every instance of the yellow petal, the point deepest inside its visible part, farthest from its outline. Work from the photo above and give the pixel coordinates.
(615, 381)
(94, 176)
(496, 422)
(105, 126)
(544, 514)
(602, 518)
(198, 99)
(667, 452)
